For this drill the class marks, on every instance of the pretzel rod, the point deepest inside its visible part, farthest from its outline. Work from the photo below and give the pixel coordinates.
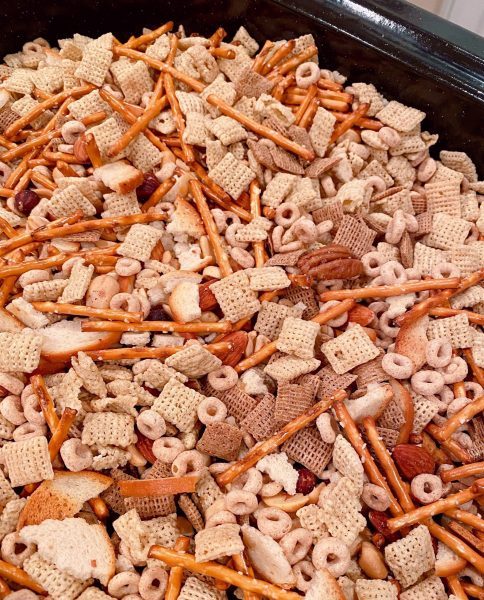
(450, 446)
(7, 229)
(466, 517)
(147, 38)
(40, 108)
(226, 205)
(94, 224)
(473, 590)
(367, 460)
(386, 291)
(19, 576)
(168, 486)
(269, 349)
(39, 178)
(402, 395)
(388, 465)
(261, 130)
(281, 52)
(435, 508)
(161, 326)
(450, 312)
(272, 443)
(465, 534)
(456, 587)
(294, 62)
(178, 116)
(456, 544)
(45, 401)
(175, 575)
(99, 508)
(255, 209)
(259, 60)
(350, 120)
(464, 415)
(163, 352)
(476, 370)
(88, 311)
(158, 194)
(473, 470)
(21, 150)
(61, 432)
(221, 255)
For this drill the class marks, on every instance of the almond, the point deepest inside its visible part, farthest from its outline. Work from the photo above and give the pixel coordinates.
(412, 460)
(207, 300)
(238, 341)
(145, 445)
(80, 151)
(361, 315)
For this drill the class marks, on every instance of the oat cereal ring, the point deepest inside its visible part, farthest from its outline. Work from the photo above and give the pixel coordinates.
(125, 301)
(376, 183)
(304, 572)
(339, 321)
(242, 257)
(11, 384)
(32, 409)
(5, 172)
(124, 583)
(375, 497)
(296, 544)
(27, 431)
(220, 220)
(152, 584)
(151, 424)
(396, 227)
(287, 213)
(393, 273)
(305, 231)
(211, 410)
(473, 389)
(221, 517)
(390, 136)
(332, 554)
(372, 263)
(455, 371)
(230, 236)
(250, 481)
(307, 73)
(11, 409)
(270, 489)
(387, 329)
(427, 382)
(397, 365)
(188, 462)
(438, 353)
(76, 455)
(240, 503)
(127, 266)
(444, 270)
(273, 522)
(14, 550)
(463, 439)
(166, 449)
(427, 488)
(457, 405)
(324, 423)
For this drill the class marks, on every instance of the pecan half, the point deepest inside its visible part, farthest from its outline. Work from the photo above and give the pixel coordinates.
(331, 262)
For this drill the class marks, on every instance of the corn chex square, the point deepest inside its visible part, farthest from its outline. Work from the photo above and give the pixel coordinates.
(343, 511)
(268, 279)
(459, 161)
(139, 242)
(219, 541)
(227, 130)
(235, 297)
(429, 589)
(350, 349)
(118, 205)
(426, 258)
(133, 78)
(400, 117)
(78, 282)
(443, 197)
(375, 589)
(87, 105)
(94, 65)
(287, 368)
(448, 232)
(105, 134)
(108, 429)
(178, 405)
(20, 351)
(321, 130)
(193, 361)
(143, 154)
(456, 329)
(67, 201)
(28, 461)
(298, 337)
(412, 556)
(232, 175)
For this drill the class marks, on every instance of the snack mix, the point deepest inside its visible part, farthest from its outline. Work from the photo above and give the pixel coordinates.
(241, 352)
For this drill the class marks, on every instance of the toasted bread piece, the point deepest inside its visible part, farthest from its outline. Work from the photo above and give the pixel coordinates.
(324, 587)
(186, 220)
(447, 562)
(184, 302)
(74, 546)
(119, 176)
(412, 341)
(63, 496)
(170, 280)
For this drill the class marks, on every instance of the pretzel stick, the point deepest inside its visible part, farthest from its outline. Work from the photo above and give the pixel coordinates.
(6, 289)
(40, 108)
(259, 60)
(141, 123)
(205, 179)
(456, 544)
(216, 38)
(308, 116)
(385, 460)
(4, 193)
(272, 443)
(17, 575)
(226, 205)
(220, 254)
(281, 52)
(158, 194)
(4, 589)
(280, 88)
(213, 569)
(461, 417)
(58, 308)
(55, 156)
(294, 62)
(99, 508)
(386, 291)
(472, 470)
(450, 446)
(269, 349)
(242, 566)
(435, 508)
(222, 53)
(175, 576)
(450, 312)
(7, 229)
(473, 590)
(163, 352)
(466, 517)
(151, 488)
(307, 99)
(360, 446)
(363, 123)
(62, 430)
(45, 401)
(476, 370)
(23, 182)
(21, 150)
(107, 223)
(255, 209)
(94, 118)
(163, 326)
(402, 395)
(39, 178)
(147, 38)
(456, 587)
(92, 151)
(350, 120)
(261, 130)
